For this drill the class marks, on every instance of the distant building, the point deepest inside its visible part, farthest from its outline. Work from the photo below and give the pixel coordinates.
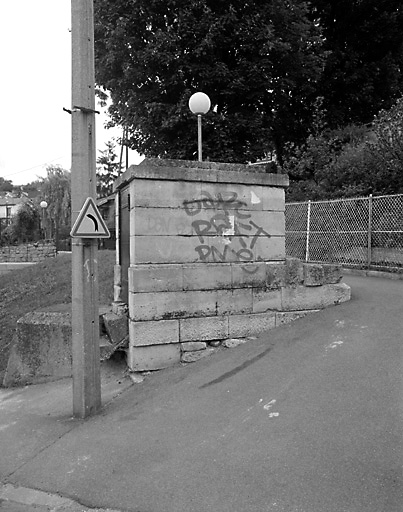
(8, 208)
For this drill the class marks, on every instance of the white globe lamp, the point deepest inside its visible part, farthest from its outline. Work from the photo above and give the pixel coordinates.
(199, 104)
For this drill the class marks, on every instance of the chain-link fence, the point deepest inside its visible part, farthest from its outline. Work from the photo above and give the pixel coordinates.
(365, 231)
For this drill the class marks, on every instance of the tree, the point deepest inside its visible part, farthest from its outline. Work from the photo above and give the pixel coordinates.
(56, 191)
(311, 166)
(353, 161)
(385, 151)
(6, 185)
(25, 225)
(259, 62)
(108, 169)
(364, 66)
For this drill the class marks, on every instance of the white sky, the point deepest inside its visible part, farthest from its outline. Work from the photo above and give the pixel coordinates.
(35, 85)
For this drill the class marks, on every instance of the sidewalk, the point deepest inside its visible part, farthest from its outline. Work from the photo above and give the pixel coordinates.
(32, 419)
(306, 418)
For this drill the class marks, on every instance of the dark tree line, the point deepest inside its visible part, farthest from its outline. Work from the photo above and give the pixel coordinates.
(363, 72)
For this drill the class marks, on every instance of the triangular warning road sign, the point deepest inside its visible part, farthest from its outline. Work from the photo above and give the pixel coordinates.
(89, 223)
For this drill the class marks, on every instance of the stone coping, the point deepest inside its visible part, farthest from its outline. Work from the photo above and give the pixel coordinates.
(188, 170)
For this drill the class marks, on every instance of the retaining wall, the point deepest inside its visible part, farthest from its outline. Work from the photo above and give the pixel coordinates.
(32, 252)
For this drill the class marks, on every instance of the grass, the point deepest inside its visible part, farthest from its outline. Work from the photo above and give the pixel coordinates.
(38, 286)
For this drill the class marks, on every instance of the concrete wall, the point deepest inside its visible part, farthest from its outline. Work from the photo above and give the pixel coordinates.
(207, 259)
(41, 348)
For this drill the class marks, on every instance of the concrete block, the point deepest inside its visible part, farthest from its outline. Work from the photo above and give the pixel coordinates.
(155, 278)
(41, 350)
(215, 249)
(169, 305)
(166, 249)
(313, 274)
(275, 275)
(199, 329)
(273, 199)
(165, 194)
(290, 316)
(235, 301)
(246, 275)
(231, 196)
(266, 300)
(207, 276)
(191, 357)
(332, 274)
(190, 170)
(303, 297)
(294, 272)
(272, 222)
(256, 178)
(268, 275)
(182, 172)
(243, 249)
(154, 332)
(116, 327)
(156, 357)
(242, 326)
(191, 346)
(192, 303)
(162, 221)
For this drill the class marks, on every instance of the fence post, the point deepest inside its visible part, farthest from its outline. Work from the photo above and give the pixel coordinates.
(308, 223)
(369, 239)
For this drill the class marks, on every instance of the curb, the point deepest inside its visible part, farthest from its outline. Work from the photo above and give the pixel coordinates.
(373, 273)
(42, 501)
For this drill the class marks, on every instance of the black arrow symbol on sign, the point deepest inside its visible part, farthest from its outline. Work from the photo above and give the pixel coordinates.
(94, 220)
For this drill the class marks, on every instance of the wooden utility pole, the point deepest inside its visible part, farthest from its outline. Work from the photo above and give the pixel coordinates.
(85, 314)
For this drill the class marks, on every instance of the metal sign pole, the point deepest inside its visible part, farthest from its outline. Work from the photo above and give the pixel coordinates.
(85, 314)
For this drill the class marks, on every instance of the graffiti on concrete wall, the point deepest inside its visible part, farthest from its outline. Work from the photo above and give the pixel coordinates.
(225, 232)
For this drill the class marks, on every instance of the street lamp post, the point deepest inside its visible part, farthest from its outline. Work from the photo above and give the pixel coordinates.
(43, 205)
(199, 104)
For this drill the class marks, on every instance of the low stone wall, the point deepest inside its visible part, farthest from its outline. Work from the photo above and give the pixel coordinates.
(32, 252)
(174, 319)
(42, 346)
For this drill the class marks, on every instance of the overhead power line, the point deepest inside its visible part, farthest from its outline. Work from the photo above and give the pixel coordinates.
(35, 167)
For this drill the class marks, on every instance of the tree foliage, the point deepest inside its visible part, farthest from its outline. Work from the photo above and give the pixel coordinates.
(354, 161)
(364, 65)
(25, 225)
(386, 152)
(5, 185)
(259, 61)
(302, 78)
(108, 169)
(56, 191)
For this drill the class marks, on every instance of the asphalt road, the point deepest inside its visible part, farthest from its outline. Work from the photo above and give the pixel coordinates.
(307, 418)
